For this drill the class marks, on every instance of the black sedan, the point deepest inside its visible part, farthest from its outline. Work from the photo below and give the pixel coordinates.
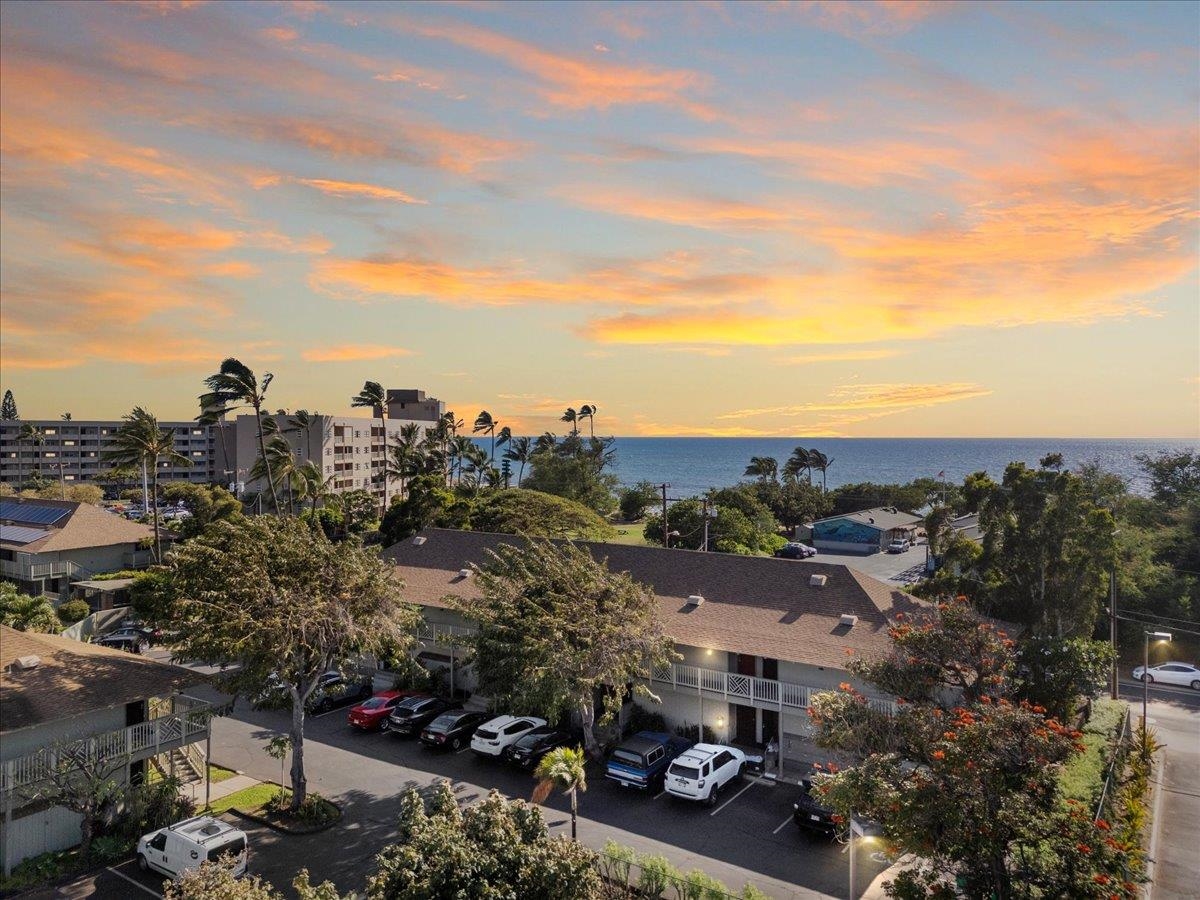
(529, 750)
(810, 813)
(453, 730)
(336, 690)
(413, 714)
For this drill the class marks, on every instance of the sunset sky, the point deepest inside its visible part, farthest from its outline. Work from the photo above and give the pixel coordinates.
(903, 219)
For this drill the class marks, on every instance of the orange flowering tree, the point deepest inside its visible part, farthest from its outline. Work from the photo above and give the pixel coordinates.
(964, 774)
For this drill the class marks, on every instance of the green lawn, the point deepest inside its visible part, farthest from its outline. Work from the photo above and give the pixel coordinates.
(215, 774)
(630, 534)
(248, 798)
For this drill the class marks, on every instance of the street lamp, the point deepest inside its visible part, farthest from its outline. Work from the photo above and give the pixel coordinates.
(1164, 636)
(721, 729)
(855, 828)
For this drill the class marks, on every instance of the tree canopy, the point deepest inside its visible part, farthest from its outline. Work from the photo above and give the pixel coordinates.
(556, 627)
(274, 599)
(25, 613)
(525, 511)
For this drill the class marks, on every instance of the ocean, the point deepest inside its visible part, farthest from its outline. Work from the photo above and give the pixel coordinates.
(693, 465)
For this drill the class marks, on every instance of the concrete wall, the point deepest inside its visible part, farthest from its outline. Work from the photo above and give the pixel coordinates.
(37, 832)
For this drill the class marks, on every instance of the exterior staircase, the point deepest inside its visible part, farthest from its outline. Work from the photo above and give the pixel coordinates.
(186, 763)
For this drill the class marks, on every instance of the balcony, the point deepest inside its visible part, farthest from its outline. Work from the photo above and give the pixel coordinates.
(445, 635)
(27, 571)
(122, 746)
(746, 690)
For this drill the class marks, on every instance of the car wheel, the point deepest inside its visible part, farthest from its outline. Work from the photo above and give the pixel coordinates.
(1148, 678)
(741, 769)
(713, 793)
(456, 744)
(142, 864)
(1196, 685)
(383, 725)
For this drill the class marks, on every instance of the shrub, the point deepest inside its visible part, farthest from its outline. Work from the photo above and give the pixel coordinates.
(688, 730)
(150, 807)
(699, 885)
(657, 872)
(634, 501)
(642, 719)
(73, 610)
(110, 848)
(315, 810)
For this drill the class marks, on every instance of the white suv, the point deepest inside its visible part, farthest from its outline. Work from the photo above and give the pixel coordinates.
(491, 738)
(701, 772)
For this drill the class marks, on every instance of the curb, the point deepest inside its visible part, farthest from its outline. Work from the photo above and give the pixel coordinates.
(285, 829)
(1156, 820)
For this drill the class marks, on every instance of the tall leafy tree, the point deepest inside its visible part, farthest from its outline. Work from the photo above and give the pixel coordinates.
(588, 411)
(406, 457)
(28, 435)
(556, 627)
(798, 464)
(301, 424)
(564, 768)
(8, 408)
(485, 423)
(519, 451)
(277, 466)
(819, 462)
(373, 395)
(271, 598)
(534, 513)
(141, 442)
(235, 386)
(547, 440)
(571, 417)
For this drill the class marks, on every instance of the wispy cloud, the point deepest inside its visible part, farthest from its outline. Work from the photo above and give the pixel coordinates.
(352, 353)
(870, 398)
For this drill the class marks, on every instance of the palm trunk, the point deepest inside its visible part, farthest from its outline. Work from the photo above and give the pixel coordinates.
(587, 715)
(262, 448)
(153, 498)
(62, 482)
(520, 473)
(383, 424)
(492, 459)
(574, 811)
(299, 782)
(224, 450)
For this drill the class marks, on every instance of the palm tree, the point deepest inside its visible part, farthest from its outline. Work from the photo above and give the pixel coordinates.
(215, 418)
(405, 457)
(798, 463)
(563, 768)
(519, 450)
(301, 423)
(503, 436)
(32, 435)
(66, 417)
(140, 441)
(820, 463)
(487, 425)
(460, 449)
(547, 440)
(569, 415)
(278, 467)
(373, 395)
(764, 468)
(315, 488)
(235, 386)
(588, 410)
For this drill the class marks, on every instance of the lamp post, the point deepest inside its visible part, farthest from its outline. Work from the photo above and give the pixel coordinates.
(855, 828)
(1158, 636)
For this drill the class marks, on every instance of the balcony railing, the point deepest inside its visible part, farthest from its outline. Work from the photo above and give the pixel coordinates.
(26, 571)
(744, 689)
(120, 746)
(446, 635)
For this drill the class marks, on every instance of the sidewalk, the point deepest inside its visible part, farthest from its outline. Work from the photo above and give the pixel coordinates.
(218, 789)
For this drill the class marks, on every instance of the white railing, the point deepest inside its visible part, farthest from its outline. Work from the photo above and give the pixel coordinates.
(745, 689)
(124, 744)
(33, 571)
(446, 635)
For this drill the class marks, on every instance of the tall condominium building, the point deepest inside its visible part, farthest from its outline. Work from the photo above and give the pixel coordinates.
(74, 451)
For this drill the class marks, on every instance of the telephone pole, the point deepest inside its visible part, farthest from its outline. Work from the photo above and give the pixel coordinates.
(666, 531)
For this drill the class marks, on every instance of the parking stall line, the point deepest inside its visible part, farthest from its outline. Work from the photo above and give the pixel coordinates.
(735, 796)
(659, 794)
(786, 822)
(136, 884)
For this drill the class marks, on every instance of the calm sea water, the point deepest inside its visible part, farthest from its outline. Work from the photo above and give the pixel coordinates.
(693, 465)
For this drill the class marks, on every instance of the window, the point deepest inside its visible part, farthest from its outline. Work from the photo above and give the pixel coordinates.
(722, 759)
(198, 431)
(159, 842)
(654, 756)
(520, 725)
(68, 443)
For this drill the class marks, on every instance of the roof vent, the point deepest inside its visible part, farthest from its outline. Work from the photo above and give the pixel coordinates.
(694, 600)
(848, 620)
(27, 662)
(817, 580)
(419, 540)
(464, 573)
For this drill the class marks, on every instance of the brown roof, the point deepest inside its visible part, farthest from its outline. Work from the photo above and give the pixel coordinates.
(73, 678)
(85, 526)
(754, 605)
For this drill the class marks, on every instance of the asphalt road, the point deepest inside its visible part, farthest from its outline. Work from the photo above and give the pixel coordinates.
(1177, 868)
(1178, 696)
(749, 836)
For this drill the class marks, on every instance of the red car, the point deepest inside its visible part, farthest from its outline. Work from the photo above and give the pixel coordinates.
(369, 714)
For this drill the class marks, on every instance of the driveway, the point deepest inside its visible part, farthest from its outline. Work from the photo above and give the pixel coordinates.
(890, 568)
(1177, 827)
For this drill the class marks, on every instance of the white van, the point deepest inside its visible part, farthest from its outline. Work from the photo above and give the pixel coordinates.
(185, 845)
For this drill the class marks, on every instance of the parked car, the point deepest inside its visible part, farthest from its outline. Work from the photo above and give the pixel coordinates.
(529, 750)
(641, 761)
(810, 813)
(452, 730)
(412, 715)
(899, 545)
(796, 550)
(491, 738)
(371, 714)
(1180, 673)
(185, 845)
(130, 643)
(274, 694)
(339, 691)
(702, 771)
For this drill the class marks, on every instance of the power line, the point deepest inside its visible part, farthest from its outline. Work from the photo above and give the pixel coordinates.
(1156, 616)
(1174, 630)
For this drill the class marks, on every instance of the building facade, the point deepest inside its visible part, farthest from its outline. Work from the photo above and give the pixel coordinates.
(74, 451)
(868, 531)
(757, 636)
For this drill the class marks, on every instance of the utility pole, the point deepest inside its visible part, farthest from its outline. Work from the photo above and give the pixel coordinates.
(709, 513)
(666, 531)
(1112, 632)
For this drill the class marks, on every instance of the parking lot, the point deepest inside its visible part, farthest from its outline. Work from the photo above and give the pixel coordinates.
(749, 835)
(890, 568)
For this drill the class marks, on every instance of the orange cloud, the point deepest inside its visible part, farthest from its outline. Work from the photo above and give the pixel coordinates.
(867, 17)
(360, 189)
(871, 397)
(578, 83)
(352, 353)
(716, 213)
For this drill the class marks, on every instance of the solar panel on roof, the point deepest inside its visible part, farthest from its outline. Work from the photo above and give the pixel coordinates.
(18, 534)
(31, 513)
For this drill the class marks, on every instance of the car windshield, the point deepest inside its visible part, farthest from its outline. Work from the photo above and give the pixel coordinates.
(485, 734)
(231, 848)
(443, 723)
(626, 757)
(375, 703)
(685, 771)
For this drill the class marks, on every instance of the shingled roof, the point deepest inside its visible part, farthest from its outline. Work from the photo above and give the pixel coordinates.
(753, 605)
(73, 678)
(85, 525)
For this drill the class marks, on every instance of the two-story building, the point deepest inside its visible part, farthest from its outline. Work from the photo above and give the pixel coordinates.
(757, 636)
(105, 711)
(46, 545)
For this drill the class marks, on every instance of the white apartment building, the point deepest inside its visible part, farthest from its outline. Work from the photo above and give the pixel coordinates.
(73, 451)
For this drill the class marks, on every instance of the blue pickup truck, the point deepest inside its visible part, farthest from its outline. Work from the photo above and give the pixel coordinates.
(641, 761)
